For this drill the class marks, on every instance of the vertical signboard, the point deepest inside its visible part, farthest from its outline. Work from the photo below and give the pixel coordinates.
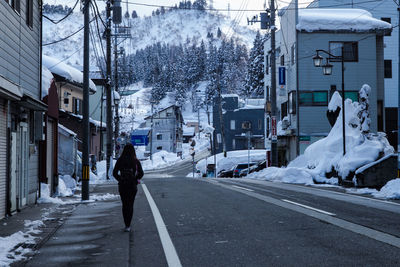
(282, 76)
(273, 128)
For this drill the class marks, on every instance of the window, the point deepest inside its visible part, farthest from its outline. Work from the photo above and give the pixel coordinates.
(320, 98)
(266, 64)
(233, 124)
(388, 68)
(259, 124)
(77, 106)
(313, 98)
(29, 13)
(293, 54)
(388, 20)
(159, 148)
(350, 51)
(283, 60)
(246, 125)
(159, 136)
(353, 95)
(15, 4)
(284, 107)
(169, 114)
(233, 143)
(306, 98)
(292, 102)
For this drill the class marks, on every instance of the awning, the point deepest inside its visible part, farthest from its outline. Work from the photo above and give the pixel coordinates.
(32, 103)
(9, 89)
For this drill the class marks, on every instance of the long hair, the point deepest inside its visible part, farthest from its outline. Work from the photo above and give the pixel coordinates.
(128, 154)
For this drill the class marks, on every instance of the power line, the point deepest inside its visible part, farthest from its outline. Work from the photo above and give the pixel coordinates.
(242, 10)
(66, 16)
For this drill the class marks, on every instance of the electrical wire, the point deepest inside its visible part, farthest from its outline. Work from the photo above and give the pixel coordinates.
(98, 13)
(66, 16)
(242, 10)
(67, 37)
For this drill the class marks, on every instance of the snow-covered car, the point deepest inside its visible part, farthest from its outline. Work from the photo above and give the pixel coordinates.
(255, 168)
(226, 173)
(239, 167)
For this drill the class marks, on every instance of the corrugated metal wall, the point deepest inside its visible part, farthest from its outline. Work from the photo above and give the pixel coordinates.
(3, 157)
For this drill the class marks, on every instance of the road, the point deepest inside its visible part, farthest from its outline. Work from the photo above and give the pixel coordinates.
(182, 221)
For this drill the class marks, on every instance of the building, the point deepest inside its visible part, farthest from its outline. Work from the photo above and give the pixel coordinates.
(239, 120)
(167, 130)
(98, 109)
(384, 10)
(304, 95)
(21, 108)
(69, 83)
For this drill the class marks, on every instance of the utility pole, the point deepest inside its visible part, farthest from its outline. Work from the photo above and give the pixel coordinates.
(86, 140)
(274, 141)
(221, 117)
(398, 103)
(108, 89)
(116, 88)
(151, 132)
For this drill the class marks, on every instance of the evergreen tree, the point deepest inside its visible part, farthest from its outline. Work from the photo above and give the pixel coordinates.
(134, 14)
(255, 75)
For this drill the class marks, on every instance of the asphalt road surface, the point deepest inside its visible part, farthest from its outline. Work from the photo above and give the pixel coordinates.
(181, 221)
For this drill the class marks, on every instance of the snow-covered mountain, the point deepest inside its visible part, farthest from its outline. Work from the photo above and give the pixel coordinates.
(174, 27)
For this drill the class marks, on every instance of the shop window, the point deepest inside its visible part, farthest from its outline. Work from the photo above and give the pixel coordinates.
(313, 98)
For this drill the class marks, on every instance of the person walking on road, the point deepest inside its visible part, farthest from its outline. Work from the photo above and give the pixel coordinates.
(128, 171)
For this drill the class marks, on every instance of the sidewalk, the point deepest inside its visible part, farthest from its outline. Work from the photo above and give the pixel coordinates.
(24, 233)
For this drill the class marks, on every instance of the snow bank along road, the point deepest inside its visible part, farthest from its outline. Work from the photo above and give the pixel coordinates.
(229, 222)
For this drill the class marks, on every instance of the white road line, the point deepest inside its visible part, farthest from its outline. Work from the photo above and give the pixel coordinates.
(169, 249)
(243, 188)
(308, 207)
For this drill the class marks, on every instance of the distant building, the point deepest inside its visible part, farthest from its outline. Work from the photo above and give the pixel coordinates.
(166, 131)
(304, 97)
(238, 122)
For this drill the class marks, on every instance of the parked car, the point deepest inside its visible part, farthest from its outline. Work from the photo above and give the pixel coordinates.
(255, 168)
(226, 173)
(239, 167)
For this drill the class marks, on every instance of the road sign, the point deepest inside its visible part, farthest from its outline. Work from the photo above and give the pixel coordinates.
(139, 140)
(274, 135)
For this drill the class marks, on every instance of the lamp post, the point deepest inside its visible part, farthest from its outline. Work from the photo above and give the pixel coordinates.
(327, 70)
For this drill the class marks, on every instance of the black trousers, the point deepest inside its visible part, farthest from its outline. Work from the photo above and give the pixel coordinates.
(128, 194)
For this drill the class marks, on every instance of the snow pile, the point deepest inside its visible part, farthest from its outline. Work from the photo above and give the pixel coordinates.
(339, 19)
(390, 191)
(232, 158)
(161, 159)
(327, 154)
(45, 195)
(63, 190)
(47, 78)
(7, 244)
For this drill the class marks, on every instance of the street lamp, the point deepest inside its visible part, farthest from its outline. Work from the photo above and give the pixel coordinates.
(327, 70)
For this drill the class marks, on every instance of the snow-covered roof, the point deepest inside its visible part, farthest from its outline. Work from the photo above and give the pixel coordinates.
(66, 71)
(188, 131)
(62, 127)
(343, 19)
(229, 95)
(141, 131)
